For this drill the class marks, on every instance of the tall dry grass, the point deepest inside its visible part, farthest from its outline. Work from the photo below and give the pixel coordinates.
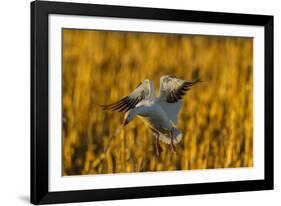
(100, 67)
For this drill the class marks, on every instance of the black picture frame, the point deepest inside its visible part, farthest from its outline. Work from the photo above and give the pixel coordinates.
(40, 112)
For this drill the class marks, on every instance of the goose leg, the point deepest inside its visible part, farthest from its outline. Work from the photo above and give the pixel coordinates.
(173, 147)
(157, 146)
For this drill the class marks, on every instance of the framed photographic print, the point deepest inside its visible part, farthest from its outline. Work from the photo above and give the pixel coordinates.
(131, 102)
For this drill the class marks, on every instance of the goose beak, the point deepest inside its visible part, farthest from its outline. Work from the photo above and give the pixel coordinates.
(125, 122)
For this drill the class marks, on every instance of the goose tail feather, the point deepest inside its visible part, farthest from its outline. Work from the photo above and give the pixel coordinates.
(177, 136)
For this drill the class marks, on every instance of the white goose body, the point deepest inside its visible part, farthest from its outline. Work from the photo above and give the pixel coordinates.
(160, 113)
(154, 116)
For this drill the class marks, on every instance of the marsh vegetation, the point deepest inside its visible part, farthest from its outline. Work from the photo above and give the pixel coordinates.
(216, 119)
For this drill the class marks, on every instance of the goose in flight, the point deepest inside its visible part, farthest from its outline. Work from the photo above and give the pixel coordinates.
(159, 113)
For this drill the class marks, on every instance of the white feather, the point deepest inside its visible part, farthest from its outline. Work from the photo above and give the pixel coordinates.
(158, 113)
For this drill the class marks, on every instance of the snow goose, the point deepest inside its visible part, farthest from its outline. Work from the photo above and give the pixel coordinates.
(159, 113)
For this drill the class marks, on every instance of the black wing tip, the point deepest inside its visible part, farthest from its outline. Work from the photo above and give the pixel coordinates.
(109, 108)
(123, 105)
(195, 81)
(104, 107)
(138, 85)
(200, 81)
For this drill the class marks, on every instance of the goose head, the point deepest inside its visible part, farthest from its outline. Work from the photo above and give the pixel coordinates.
(129, 116)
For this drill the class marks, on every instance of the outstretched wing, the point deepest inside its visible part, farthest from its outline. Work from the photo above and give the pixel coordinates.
(171, 92)
(142, 91)
(173, 89)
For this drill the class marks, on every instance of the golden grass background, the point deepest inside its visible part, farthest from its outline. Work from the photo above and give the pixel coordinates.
(100, 67)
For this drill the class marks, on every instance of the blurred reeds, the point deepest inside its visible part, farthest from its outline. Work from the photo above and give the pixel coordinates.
(100, 67)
